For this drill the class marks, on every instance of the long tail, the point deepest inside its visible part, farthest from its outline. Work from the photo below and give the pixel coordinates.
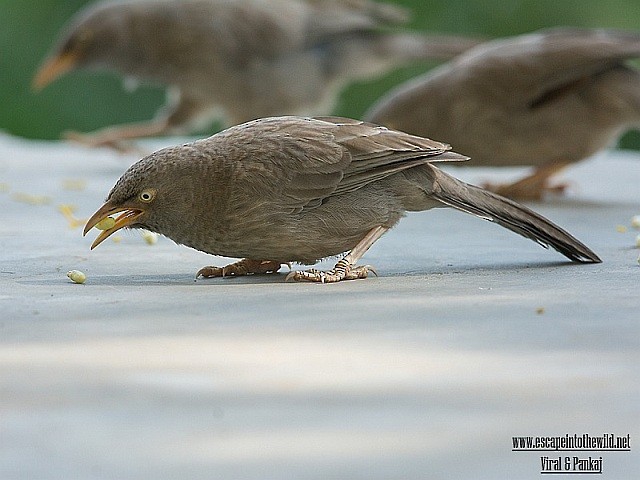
(511, 215)
(417, 46)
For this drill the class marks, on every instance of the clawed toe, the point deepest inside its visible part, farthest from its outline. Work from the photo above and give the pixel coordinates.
(239, 268)
(526, 193)
(533, 187)
(210, 271)
(342, 271)
(560, 188)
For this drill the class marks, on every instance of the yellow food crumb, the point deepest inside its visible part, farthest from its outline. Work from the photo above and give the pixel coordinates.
(106, 223)
(67, 210)
(635, 222)
(540, 310)
(149, 237)
(76, 276)
(621, 228)
(116, 239)
(74, 184)
(31, 199)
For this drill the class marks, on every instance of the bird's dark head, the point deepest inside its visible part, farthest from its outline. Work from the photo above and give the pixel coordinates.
(156, 193)
(95, 38)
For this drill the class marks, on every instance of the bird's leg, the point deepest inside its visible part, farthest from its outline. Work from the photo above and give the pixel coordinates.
(345, 269)
(246, 266)
(116, 136)
(532, 187)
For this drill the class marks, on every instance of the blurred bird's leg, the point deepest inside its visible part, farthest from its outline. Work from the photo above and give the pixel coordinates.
(532, 187)
(175, 117)
(345, 269)
(246, 266)
(116, 136)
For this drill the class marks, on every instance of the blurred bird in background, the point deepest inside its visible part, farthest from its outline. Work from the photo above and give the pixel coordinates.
(238, 60)
(546, 100)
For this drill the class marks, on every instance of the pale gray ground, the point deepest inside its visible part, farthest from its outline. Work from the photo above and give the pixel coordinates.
(423, 373)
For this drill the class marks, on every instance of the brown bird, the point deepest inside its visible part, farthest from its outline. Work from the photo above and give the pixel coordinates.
(546, 100)
(294, 189)
(238, 60)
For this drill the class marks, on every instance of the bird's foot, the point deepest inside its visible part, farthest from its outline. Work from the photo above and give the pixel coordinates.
(95, 141)
(527, 192)
(533, 187)
(343, 270)
(246, 266)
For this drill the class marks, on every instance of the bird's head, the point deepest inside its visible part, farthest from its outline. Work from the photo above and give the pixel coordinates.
(156, 193)
(94, 39)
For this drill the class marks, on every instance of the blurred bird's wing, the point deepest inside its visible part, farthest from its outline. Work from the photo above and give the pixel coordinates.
(310, 159)
(269, 29)
(374, 12)
(334, 17)
(539, 63)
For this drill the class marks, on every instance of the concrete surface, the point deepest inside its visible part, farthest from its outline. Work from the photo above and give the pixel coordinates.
(471, 335)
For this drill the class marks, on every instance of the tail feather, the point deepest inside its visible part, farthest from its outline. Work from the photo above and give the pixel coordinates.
(511, 215)
(421, 47)
(365, 55)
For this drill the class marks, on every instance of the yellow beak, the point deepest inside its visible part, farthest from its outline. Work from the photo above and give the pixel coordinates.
(53, 68)
(127, 217)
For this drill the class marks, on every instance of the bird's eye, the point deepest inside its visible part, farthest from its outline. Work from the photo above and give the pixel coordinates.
(147, 195)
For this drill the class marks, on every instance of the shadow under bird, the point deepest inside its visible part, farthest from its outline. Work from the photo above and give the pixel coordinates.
(293, 189)
(545, 100)
(238, 60)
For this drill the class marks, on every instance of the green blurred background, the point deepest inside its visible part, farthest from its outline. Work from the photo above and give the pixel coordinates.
(85, 101)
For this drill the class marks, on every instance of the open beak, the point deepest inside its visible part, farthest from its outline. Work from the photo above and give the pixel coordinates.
(52, 69)
(127, 217)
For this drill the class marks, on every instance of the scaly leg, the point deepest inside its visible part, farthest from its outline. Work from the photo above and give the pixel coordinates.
(532, 187)
(345, 269)
(246, 266)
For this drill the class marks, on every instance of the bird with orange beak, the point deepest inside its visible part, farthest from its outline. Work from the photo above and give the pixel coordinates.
(295, 190)
(238, 60)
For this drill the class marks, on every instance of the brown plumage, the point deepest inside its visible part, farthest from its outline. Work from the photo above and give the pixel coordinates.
(546, 100)
(239, 60)
(294, 189)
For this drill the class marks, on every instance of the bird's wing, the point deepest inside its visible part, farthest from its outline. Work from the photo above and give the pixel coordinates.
(549, 59)
(305, 160)
(375, 12)
(334, 17)
(246, 28)
(378, 152)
